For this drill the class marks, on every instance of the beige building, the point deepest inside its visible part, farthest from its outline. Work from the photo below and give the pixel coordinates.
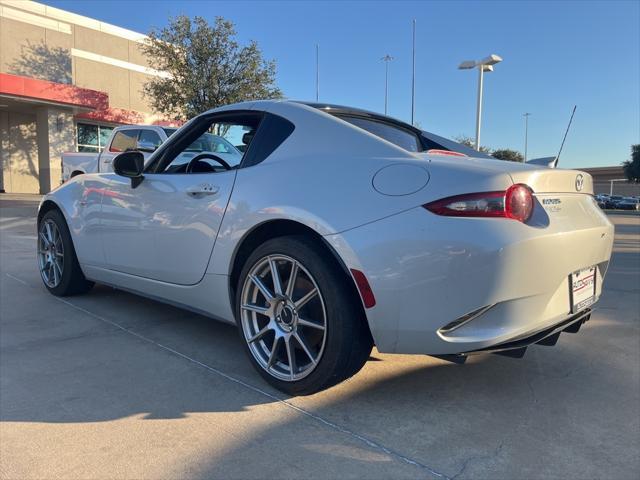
(612, 180)
(65, 82)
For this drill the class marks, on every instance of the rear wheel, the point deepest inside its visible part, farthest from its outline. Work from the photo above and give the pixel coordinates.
(57, 261)
(297, 318)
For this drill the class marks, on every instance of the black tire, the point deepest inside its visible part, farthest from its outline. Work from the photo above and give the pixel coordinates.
(73, 281)
(348, 341)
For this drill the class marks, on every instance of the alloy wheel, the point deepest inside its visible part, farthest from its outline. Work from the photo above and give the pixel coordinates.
(50, 253)
(283, 317)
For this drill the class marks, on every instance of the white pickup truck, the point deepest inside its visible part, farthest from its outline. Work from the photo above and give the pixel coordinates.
(146, 139)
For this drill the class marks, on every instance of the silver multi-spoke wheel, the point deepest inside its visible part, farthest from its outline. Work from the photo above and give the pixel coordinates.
(50, 253)
(283, 316)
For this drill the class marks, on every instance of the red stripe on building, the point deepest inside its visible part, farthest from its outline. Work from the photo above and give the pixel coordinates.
(113, 115)
(70, 95)
(62, 93)
(122, 116)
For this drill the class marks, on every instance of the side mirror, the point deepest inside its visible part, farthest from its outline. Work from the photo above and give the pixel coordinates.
(130, 165)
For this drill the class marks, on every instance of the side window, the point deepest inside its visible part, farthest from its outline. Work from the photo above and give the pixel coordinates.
(149, 139)
(232, 136)
(124, 140)
(391, 133)
(210, 147)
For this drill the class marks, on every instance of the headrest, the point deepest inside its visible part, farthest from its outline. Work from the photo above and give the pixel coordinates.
(247, 137)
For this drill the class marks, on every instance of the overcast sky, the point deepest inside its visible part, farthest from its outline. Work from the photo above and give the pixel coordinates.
(556, 54)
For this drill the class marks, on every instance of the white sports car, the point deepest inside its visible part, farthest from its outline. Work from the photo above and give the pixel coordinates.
(336, 229)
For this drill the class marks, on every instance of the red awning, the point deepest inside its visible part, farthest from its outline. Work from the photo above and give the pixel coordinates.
(61, 93)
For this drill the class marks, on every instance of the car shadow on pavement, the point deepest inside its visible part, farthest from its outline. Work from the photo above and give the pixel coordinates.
(494, 417)
(485, 416)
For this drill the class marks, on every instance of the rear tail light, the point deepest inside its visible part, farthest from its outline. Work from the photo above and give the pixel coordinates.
(516, 203)
(519, 202)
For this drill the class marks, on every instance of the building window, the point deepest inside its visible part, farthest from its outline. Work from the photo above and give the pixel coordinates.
(92, 138)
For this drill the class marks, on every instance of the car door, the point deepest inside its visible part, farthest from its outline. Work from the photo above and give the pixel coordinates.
(165, 228)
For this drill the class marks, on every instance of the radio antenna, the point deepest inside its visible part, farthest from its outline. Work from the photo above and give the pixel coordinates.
(555, 164)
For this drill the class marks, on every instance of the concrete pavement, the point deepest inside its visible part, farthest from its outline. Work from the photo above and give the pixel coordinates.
(109, 385)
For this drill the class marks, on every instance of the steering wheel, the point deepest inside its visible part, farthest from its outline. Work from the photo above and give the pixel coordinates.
(210, 156)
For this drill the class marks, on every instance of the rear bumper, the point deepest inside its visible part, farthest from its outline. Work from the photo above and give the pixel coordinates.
(516, 348)
(427, 271)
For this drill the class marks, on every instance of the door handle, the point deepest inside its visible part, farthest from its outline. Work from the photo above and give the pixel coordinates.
(107, 160)
(202, 189)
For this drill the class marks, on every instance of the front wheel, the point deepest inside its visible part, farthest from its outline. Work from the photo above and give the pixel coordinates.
(298, 318)
(57, 261)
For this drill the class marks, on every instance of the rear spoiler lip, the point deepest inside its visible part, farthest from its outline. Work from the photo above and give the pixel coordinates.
(549, 162)
(446, 144)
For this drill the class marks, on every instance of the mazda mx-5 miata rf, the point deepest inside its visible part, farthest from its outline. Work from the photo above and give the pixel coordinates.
(337, 229)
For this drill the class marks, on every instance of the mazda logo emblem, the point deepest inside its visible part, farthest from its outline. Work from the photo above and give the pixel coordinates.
(579, 182)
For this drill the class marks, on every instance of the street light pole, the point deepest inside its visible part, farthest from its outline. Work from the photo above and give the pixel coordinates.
(386, 59)
(526, 133)
(413, 75)
(479, 106)
(484, 65)
(317, 72)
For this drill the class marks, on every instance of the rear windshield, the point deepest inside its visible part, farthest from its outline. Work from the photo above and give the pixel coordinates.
(399, 136)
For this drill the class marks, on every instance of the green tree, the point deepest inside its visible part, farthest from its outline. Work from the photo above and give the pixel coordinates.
(632, 167)
(207, 68)
(507, 154)
(471, 143)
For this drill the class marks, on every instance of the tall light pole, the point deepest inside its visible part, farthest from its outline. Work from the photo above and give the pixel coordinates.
(386, 59)
(317, 72)
(526, 133)
(413, 74)
(484, 65)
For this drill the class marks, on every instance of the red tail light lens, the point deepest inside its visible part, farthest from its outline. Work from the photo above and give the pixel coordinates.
(519, 202)
(515, 203)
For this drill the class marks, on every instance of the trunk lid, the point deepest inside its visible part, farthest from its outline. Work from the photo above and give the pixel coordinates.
(540, 179)
(564, 198)
(547, 180)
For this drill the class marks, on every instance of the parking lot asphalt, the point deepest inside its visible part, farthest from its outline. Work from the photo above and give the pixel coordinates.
(110, 385)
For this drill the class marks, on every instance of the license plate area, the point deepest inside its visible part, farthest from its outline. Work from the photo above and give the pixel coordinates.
(582, 289)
